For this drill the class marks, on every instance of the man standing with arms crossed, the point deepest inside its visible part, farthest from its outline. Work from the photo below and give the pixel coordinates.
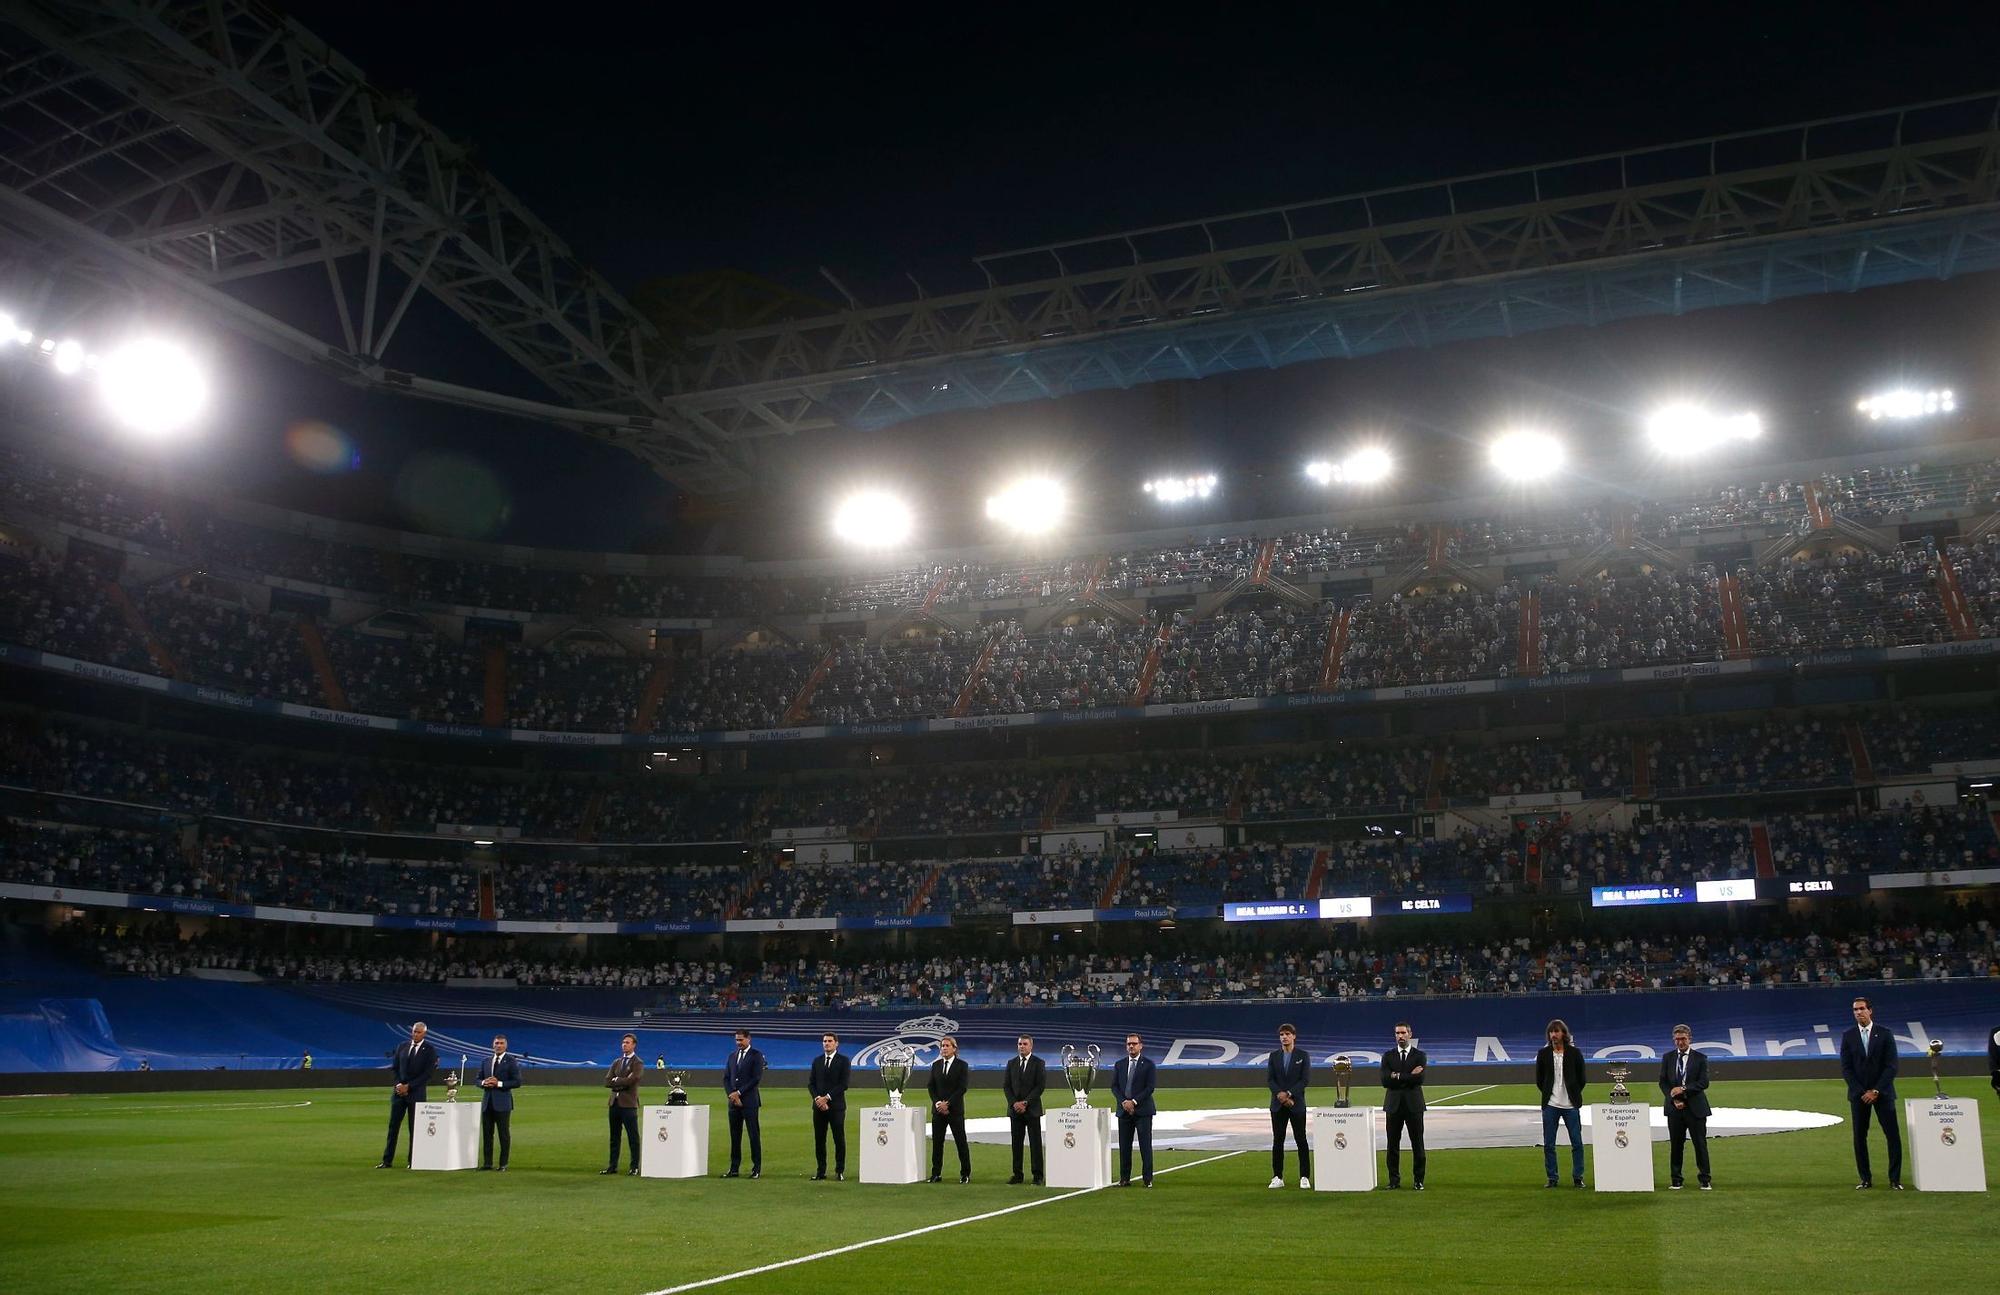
(626, 1074)
(1868, 1064)
(1287, 1071)
(1026, 1077)
(1403, 1104)
(828, 1085)
(411, 1068)
(1132, 1089)
(741, 1075)
(1684, 1080)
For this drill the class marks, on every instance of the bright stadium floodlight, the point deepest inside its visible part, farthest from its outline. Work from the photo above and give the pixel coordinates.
(67, 358)
(1370, 465)
(152, 386)
(1178, 490)
(1525, 455)
(1903, 404)
(1321, 471)
(1031, 506)
(873, 519)
(11, 332)
(1684, 430)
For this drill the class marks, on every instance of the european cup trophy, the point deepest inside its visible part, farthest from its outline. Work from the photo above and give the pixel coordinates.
(677, 1094)
(1619, 1072)
(896, 1062)
(1343, 1081)
(1937, 1055)
(1080, 1069)
(451, 1080)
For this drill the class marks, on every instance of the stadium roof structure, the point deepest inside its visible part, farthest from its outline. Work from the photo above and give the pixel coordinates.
(194, 147)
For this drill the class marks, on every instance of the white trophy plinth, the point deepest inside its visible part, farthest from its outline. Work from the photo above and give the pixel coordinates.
(673, 1142)
(892, 1144)
(1077, 1145)
(447, 1136)
(1343, 1147)
(1943, 1145)
(1621, 1142)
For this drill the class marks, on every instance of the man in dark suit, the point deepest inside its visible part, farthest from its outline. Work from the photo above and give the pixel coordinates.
(1132, 1090)
(1026, 1076)
(741, 1076)
(410, 1066)
(1559, 1074)
(1288, 1071)
(1684, 1081)
(828, 1085)
(947, 1089)
(1403, 1104)
(626, 1074)
(1993, 1057)
(499, 1076)
(1868, 1064)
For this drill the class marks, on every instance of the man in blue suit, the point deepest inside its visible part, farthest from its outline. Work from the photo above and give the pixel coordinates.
(1132, 1090)
(411, 1066)
(499, 1076)
(827, 1084)
(1868, 1064)
(1288, 1070)
(741, 1075)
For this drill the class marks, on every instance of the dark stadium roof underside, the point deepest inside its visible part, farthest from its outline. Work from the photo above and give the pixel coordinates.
(193, 147)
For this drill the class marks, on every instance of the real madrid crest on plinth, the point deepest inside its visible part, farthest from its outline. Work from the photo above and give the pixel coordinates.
(1080, 1070)
(1945, 1151)
(1621, 1139)
(1342, 1138)
(450, 1136)
(676, 1140)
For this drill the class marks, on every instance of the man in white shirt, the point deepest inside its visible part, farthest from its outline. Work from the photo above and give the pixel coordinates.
(1559, 1075)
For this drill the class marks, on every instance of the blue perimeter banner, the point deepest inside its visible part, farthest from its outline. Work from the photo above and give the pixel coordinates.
(221, 697)
(188, 1023)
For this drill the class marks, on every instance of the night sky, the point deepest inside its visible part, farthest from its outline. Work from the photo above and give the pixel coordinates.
(880, 143)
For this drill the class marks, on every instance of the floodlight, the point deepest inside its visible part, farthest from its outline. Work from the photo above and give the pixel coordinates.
(1367, 466)
(1321, 471)
(67, 357)
(152, 386)
(1903, 404)
(1685, 429)
(1178, 490)
(1525, 455)
(1032, 506)
(10, 331)
(873, 519)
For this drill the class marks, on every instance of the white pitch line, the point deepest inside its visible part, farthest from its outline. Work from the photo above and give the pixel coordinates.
(1467, 1093)
(915, 1232)
(97, 1112)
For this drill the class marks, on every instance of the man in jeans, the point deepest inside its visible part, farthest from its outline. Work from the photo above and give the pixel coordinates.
(1559, 1074)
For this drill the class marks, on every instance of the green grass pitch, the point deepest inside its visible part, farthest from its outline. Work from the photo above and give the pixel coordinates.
(245, 1191)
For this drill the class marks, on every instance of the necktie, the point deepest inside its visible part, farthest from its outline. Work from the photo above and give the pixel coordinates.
(1684, 1067)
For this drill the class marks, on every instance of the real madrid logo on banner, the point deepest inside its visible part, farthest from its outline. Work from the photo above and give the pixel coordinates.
(1340, 1139)
(1623, 1139)
(1948, 1136)
(431, 1129)
(1069, 1139)
(881, 1137)
(663, 1133)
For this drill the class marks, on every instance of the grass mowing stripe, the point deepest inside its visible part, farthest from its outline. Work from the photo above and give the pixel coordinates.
(914, 1232)
(1452, 1097)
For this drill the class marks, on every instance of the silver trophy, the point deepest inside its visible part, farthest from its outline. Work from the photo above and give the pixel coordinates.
(677, 1094)
(1937, 1056)
(1343, 1081)
(897, 1059)
(1080, 1069)
(1619, 1072)
(451, 1080)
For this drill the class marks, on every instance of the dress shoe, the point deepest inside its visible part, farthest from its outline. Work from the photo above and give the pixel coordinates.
(633, 1172)
(612, 1170)
(385, 1165)
(1123, 1182)
(935, 1178)
(501, 1170)
(1576, 1182)
(1550, 1183)
(1040, 1182)
(732, 1174)
(819, 1177)
(1015, 1181)
(1863, 1185)
(754, 1173)
(1393, 1186)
